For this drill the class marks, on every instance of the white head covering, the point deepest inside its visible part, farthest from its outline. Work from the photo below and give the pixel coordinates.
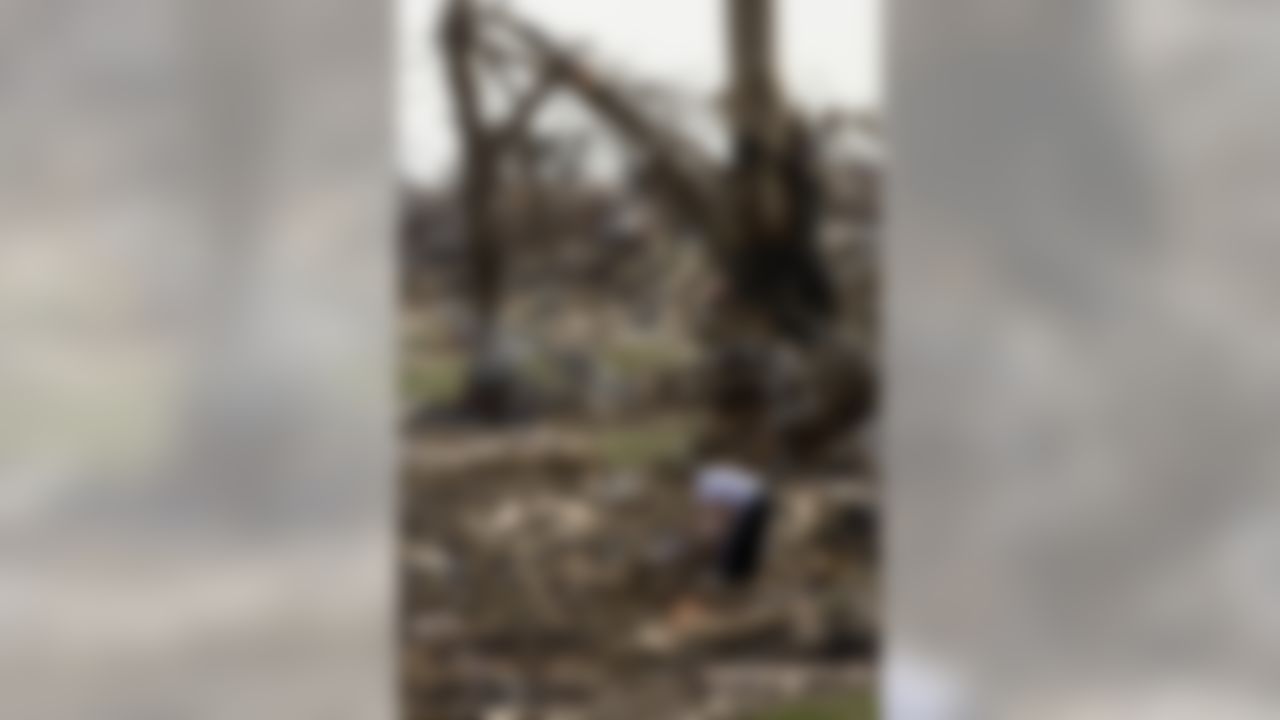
(725, 484)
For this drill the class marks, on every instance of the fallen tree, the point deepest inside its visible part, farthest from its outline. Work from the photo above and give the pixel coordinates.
(759, 218)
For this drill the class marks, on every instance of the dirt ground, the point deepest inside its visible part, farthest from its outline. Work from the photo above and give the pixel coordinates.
(542, 580)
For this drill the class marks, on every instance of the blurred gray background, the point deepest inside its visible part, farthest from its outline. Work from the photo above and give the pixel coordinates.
(195, 406)
(1084, 387)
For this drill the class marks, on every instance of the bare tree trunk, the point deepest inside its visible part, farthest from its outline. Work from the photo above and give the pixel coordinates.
(489, 382)
(779, 293)
(758, 119)
(775, 189)
(744, 336)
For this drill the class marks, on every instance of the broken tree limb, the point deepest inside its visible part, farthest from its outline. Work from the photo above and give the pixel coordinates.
(479, 166)
(691, 176)
(519, 121)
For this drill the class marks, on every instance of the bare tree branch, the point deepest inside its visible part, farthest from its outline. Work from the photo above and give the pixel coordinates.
(521, 117)
(690, 174)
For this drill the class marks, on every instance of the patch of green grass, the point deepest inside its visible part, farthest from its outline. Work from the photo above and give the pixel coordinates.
(432, 381)
(645, 443)
(860, 706)
(645, 358)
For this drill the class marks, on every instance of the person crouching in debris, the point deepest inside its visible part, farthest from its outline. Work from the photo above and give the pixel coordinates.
(732, 498)
(733, 511)
(723, 552)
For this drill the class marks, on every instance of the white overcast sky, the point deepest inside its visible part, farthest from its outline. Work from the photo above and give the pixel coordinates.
(832, 53)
